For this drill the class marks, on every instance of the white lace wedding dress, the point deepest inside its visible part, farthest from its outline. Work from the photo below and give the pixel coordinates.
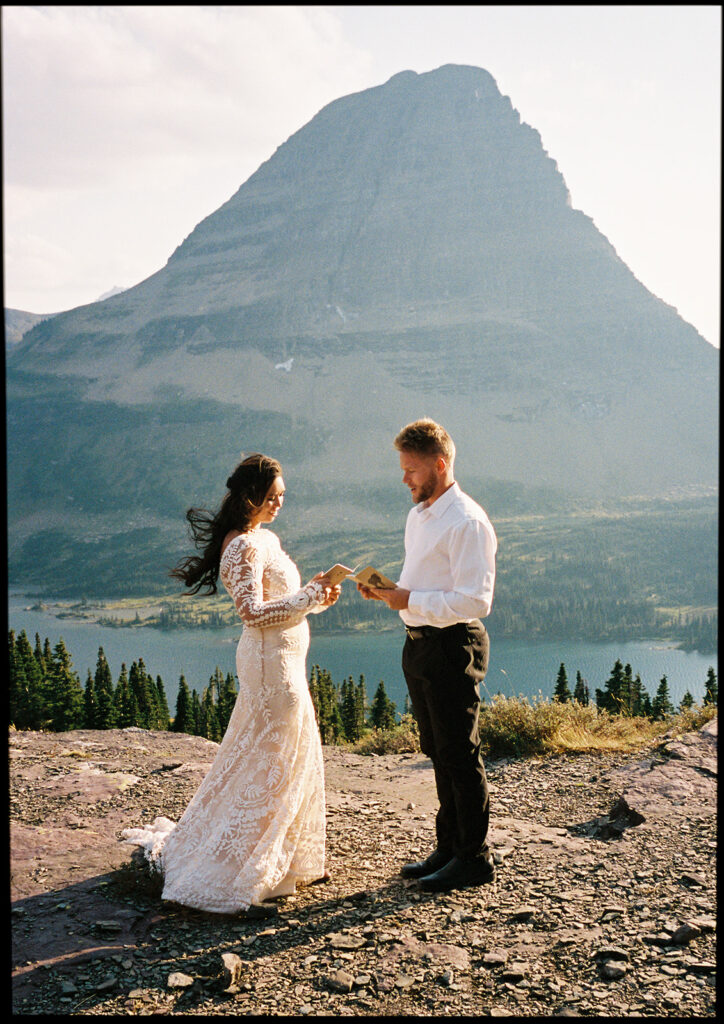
(256, 825)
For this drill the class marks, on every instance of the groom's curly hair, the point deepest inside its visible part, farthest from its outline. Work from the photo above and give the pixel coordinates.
(247, 488)
(426, 437)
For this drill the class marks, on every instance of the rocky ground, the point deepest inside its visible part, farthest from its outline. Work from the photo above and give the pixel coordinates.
(604, 903)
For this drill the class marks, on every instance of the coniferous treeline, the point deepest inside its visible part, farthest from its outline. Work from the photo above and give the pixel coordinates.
(343, 712)
(624, 694)
(45, 693)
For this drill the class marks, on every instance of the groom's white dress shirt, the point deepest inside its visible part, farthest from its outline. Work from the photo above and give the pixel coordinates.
(449, 565)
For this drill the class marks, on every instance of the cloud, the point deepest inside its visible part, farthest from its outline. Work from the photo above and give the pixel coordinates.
(91, 92)
(126, 126)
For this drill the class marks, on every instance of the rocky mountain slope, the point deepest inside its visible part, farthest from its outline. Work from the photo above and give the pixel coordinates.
(411, 251)
(605, 899)
(17, 324)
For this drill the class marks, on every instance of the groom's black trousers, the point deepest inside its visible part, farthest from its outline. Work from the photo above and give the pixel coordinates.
(443, 670)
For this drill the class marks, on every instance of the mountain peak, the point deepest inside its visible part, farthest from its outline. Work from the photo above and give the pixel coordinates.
(410, 251)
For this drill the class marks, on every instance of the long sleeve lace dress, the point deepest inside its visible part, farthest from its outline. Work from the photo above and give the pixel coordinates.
(256, 825)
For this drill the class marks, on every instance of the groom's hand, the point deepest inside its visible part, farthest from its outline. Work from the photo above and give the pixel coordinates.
(396, 599)
(367, 592)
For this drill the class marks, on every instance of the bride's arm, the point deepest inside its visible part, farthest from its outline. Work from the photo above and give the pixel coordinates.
(243, 579)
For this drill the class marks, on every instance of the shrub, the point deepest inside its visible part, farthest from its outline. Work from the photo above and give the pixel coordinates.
(513, 727)
(402, 738)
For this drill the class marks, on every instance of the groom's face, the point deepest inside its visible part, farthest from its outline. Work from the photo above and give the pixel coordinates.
(421, 474)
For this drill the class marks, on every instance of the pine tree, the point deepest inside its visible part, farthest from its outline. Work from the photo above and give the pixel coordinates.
(164, 716)
(154, 711)
(314, 690)
(662, 706)
(208, 719)
(361, 705)
(28, 692)
(12, 699)
(144, 690)
(611, 699)
(646, 708)
(687, 701)
(183, 719)
(330, 721)
(37, 681)
(561, 692)
(90, 705)
(711, 693)
(639, 700)
(134, 712)
(580, 692)
(348, 710)
(326, 701)
(382, 711)
(104, 694)
(64, 692)
(124, 709)
(227, 701)
(335, 726)
(17, 682)
(216, 681)
(196, 713)
(627, 683)
(38, 652)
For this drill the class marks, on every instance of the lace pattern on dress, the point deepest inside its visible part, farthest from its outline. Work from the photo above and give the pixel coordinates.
(254, 565)
(256, 825)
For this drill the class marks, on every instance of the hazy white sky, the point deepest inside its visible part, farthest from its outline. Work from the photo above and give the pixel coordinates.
(123, 127)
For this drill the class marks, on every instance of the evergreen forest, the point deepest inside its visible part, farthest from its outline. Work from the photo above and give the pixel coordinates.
(46, 693)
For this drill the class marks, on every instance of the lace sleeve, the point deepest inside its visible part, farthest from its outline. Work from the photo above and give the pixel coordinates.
(242, 576)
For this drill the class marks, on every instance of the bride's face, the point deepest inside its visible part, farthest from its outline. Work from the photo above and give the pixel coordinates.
(272, 504)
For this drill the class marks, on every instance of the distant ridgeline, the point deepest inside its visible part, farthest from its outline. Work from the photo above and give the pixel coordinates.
(411, 251)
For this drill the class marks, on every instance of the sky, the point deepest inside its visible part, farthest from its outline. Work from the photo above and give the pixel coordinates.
(123, 127)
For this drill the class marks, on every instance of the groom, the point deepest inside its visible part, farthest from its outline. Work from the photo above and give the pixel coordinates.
(445, 588)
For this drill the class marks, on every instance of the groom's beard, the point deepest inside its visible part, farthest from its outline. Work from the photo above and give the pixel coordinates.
(426, 489)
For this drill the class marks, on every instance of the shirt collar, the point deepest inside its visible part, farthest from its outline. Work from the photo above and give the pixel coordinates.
(439, 507)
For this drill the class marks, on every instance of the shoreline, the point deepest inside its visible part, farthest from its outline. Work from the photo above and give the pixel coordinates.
(126, 613)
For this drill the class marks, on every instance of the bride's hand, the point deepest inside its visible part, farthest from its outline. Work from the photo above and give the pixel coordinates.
(331, 594)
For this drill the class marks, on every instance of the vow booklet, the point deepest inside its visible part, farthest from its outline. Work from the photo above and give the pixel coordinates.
(338, 573)
(368, 577)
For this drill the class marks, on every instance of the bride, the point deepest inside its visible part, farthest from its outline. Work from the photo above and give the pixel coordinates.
(256, 825)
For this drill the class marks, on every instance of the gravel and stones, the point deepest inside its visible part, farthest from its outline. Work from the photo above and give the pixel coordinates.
(585, 919)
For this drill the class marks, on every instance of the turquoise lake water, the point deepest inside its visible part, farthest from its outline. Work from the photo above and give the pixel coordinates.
(517, 667)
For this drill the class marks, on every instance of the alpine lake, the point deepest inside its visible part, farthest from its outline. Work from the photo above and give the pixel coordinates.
(517, 667)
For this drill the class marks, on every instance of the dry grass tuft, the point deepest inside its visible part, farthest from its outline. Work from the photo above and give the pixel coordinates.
(515, 727)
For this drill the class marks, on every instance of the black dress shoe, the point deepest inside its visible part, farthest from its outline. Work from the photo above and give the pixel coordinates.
(459, 874)
(425, 867)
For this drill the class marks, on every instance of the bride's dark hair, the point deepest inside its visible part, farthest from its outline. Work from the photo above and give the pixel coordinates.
(247, 486)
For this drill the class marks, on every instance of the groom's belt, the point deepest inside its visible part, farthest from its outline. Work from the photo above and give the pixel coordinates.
(418, 632)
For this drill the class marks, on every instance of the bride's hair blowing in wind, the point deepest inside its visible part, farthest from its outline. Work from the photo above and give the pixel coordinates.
(247, 487)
